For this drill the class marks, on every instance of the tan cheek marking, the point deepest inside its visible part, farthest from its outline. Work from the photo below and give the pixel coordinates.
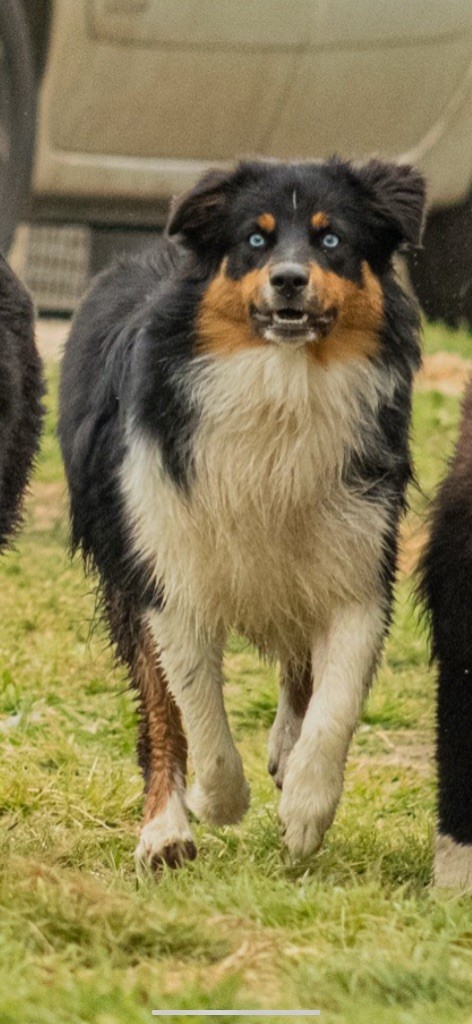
(360, 311)
(320, 220)
(266, 221)
(251, 285)
(222, 324)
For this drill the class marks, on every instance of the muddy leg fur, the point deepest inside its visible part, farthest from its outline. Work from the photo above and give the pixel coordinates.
(296, 686)
(165, 836)
(446, 585)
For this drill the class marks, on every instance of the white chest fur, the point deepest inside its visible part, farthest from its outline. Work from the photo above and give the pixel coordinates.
(269, 538)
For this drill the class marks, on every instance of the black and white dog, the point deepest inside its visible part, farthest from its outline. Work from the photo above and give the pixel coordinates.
(235, 409)
(21, 390)
(447, 589)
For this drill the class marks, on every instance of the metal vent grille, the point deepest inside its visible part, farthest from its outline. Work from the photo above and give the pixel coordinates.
(54, 263)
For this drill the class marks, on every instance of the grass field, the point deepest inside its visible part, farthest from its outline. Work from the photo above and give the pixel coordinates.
(356, 932)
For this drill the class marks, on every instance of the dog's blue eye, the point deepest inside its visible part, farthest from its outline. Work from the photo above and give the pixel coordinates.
(330, 241)
(257, 241)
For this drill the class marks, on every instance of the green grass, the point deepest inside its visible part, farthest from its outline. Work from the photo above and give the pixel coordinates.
(356, 931)
(439, 338)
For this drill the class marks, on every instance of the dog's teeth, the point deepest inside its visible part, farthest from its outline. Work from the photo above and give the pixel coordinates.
(290, 319)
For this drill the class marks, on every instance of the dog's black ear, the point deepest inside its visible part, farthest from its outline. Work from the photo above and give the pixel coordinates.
(396, 196)
(199, 215)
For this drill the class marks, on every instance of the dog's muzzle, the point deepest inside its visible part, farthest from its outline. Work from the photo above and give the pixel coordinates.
(288, 310)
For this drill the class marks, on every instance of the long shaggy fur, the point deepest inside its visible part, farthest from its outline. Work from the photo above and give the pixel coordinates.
(234, 421)
(21, 390)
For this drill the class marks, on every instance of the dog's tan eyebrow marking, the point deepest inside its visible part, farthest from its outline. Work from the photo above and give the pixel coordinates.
(319, 220)
(267, 222)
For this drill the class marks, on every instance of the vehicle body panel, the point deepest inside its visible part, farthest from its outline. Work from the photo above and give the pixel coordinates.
(139, 96)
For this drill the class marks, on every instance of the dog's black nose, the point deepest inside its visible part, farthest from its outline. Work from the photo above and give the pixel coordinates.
(289, 278)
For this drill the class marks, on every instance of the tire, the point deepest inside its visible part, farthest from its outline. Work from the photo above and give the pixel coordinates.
(17, 116)
(441, 270)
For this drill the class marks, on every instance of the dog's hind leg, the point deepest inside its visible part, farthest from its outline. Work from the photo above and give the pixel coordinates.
(296, 685)
(165, 835)
(193, 668)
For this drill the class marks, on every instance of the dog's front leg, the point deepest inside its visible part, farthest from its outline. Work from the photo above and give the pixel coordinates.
(193, 668)
(344, 660)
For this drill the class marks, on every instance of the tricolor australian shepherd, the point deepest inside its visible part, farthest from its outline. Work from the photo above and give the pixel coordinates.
(21, 389)
(234, 421)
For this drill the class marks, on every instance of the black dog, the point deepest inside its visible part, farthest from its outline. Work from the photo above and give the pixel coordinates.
(21, 389)
(234, 422)
(447, 588)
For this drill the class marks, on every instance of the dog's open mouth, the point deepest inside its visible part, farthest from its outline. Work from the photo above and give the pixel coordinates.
(291, 324)
(290, 318)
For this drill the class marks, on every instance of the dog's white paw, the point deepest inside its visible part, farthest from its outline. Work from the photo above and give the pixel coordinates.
(453, 864)
(222, 800)
(310, 796)
(282, 739)
(165, 839)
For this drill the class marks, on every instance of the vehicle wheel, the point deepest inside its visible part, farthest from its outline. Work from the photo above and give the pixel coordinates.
(17, 116)
(441, 270)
